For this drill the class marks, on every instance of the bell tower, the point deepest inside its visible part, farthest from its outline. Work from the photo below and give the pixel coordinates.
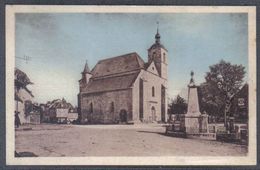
(159, 54)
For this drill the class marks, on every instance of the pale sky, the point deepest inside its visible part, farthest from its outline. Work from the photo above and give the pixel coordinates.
(59, 45)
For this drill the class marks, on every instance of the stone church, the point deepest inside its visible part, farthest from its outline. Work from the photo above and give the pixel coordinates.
(126, 88)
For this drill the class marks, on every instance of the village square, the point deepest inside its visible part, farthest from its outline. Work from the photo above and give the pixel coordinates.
(123, 110)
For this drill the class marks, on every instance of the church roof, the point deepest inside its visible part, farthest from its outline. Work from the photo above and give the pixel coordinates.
(120, 64)
(111, 83)
(157, 45)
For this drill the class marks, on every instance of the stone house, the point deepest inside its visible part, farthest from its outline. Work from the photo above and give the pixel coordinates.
(126, 88)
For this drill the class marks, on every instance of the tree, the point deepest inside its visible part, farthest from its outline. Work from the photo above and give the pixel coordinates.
(178, 106)
(223, 81)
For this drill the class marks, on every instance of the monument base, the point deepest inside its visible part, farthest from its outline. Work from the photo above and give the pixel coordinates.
(191, 124)
(196, 123)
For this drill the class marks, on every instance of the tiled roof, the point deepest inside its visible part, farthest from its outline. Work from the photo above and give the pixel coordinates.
(120, 64)
(111, 83)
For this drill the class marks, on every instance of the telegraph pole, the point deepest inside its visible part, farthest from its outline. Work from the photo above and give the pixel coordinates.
(25, 58)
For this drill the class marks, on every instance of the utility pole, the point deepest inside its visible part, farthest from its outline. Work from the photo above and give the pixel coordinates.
(25, 58)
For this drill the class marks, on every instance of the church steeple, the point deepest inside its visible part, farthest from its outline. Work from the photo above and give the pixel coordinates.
(157, 53)
(157, 35)
(86, 75)
(86, 68)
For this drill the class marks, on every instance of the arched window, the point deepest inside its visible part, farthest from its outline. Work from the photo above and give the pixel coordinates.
(154, 54)
(91, 108)
(153, 91)
(164, 57)
(112, 107)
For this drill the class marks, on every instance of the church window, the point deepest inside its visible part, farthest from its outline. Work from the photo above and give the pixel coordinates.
(112, 108)
(153, 91)
(154, 55)
(91, 108)
(164, 57)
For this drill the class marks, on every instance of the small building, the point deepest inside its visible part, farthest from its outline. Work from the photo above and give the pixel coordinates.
(239, 106)
(59, 110)
(72, 115)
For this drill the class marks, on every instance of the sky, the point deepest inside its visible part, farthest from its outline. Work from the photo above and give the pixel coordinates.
(58, 45)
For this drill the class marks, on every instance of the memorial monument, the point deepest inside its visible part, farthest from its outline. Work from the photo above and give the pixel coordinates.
(195, 122)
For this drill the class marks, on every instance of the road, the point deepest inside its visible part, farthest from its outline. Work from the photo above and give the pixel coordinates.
(115, 140)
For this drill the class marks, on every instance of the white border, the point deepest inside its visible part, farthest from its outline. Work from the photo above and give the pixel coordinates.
(250, 159)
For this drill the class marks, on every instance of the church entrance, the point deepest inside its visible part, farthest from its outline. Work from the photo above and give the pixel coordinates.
(153, 113)
(123, 116)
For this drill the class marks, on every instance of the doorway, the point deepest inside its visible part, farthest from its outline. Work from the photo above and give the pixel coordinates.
(153, 114)
(123, 116)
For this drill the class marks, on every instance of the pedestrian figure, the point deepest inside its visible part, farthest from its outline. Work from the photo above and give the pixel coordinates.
(17, 119)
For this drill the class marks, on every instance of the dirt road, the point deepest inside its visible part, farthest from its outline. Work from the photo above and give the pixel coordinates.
(115, 140)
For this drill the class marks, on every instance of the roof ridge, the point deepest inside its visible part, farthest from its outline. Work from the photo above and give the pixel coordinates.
(117, 56)
(118, 74)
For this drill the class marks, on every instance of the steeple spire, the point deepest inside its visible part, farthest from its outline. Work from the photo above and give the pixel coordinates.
(86, 68)
(157, 36)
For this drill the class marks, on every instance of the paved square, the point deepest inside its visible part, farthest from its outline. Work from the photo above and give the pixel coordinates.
(50, 140)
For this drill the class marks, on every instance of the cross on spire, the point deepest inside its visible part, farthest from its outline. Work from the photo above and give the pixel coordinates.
(157, 27)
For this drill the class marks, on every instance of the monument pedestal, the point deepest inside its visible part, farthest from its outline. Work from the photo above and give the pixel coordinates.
(192, 124)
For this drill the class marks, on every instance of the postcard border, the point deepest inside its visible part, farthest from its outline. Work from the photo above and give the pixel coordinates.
(214, 157)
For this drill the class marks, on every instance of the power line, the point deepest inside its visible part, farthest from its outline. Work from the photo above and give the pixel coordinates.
(25, 58)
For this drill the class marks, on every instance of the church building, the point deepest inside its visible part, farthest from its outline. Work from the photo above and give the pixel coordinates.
(125, 88)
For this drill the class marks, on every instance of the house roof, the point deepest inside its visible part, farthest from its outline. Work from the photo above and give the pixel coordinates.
(111, 83)
(120, 64)
(60, 104)
(22, 77)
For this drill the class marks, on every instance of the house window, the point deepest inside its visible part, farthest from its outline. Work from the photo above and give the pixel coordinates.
(91, 108)
(153, 91)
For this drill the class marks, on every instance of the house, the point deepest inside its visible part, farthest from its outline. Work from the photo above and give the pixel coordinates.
(23, 96)
(72, 115)
(59, 110)
(125, 88)
(239, 106)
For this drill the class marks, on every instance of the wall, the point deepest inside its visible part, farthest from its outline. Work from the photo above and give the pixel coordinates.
(150, 80)
(20, 107)
(102, 110)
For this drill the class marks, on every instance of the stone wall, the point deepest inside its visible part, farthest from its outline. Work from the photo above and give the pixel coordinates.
(149, 101)
(106, 106)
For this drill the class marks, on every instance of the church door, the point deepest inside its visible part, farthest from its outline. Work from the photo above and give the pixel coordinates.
(123, 116)
(153, 114)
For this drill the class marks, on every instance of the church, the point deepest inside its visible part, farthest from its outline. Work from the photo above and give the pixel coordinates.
(125, 88)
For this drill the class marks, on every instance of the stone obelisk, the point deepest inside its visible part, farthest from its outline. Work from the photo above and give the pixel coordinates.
(192, 118)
